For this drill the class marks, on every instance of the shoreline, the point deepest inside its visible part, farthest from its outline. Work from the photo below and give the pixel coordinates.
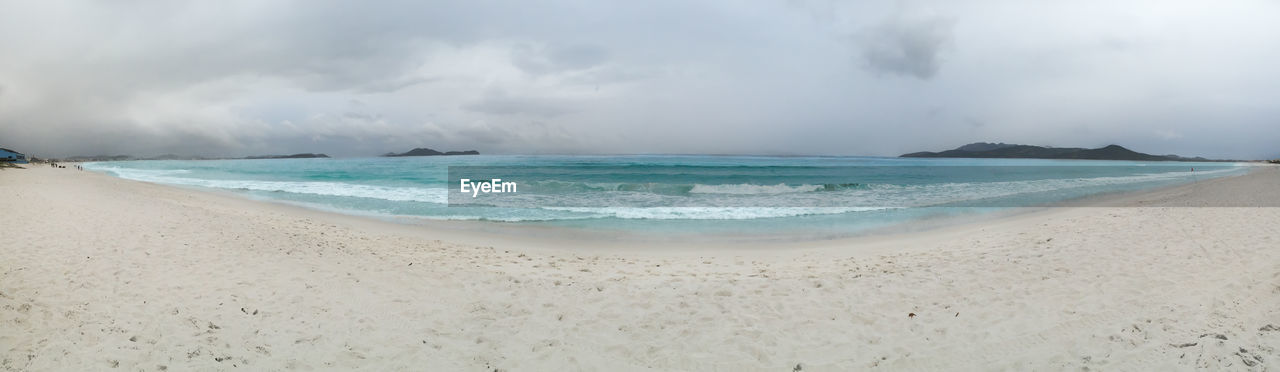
(521, 234)
(108, 272)
(560, 240)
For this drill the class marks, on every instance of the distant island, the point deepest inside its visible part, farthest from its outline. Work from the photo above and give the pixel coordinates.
(422, 151)
(294, 156)
(1012, 151)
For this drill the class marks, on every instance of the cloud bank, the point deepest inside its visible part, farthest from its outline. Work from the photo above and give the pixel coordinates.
(241, 77)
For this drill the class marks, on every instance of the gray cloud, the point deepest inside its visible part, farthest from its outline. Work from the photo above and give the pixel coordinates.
(907, 47)
(554, 59)
(806, 76)
(501, 104)
(391, 86)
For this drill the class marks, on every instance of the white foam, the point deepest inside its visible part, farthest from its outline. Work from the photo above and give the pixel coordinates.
(749, 189)
(714, 213)
(416, 194)
(719, 202)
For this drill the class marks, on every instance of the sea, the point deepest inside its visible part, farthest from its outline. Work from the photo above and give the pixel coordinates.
(673, 196)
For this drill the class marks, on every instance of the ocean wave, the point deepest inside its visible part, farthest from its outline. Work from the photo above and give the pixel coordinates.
(751, 189)
(714, 213)
(414, 194)
(781, 188)
(554, 200)
(563, 187)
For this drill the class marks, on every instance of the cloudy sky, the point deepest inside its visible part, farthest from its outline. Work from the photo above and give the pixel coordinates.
(359, 78)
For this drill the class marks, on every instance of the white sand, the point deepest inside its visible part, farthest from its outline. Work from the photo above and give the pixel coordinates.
(99, 273)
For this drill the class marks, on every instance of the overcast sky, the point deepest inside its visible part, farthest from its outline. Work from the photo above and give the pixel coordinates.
(359, 78)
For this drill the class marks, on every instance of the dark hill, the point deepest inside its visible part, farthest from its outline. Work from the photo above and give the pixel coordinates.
(429, 152)
(1008, 151)
(984, 146)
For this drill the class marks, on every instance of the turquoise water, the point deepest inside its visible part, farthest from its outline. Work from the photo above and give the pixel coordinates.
(672, 195)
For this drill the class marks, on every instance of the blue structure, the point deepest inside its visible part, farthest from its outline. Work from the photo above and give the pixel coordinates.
(7, 155)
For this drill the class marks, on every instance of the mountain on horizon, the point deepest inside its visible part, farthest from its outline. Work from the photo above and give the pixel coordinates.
(984, 146)
(1011, 151)
(423, 151)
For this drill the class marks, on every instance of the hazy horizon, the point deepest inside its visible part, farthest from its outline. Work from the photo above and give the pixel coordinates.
(882, 78)
(780, 154)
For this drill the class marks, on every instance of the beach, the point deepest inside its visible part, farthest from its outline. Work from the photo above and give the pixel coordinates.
(100, 273)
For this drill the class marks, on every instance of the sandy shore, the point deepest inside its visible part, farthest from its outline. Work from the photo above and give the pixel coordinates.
(99, 273)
